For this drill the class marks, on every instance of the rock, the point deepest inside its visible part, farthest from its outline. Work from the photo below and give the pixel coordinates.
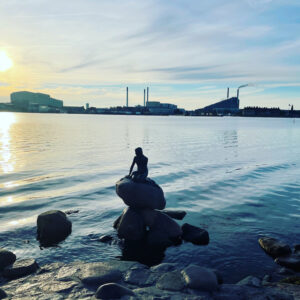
(2, 294)
(164, 267)
(72, 211)
(57, 286)
(21, 268)
(285, 271)
(112, 291)
(6, 258)
(200, 278)
(297, 249)
(274, 247)
(52, 227)
(291, 280)
(172, 281)
(131, 226)
(175, 214)
(291, 262)
(194, 234)
(99, 273)
(105, 238)
(140, 195)
(250, 281)
(139, 277)
(117, 221)
(164, 232)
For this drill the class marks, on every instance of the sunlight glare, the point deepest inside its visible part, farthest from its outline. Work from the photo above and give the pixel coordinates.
(5, 62)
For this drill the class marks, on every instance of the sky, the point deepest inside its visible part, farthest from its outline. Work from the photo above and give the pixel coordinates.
(187, 52)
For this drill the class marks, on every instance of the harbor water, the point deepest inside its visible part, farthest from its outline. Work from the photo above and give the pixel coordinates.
(236, 177)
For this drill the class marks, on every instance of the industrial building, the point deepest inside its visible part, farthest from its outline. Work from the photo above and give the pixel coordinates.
(223, 107)
(35, 102)
(157, 108)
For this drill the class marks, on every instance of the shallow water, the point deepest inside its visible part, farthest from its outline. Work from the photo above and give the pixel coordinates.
(236, 177)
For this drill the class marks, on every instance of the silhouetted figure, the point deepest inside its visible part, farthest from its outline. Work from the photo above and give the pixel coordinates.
(142, 170)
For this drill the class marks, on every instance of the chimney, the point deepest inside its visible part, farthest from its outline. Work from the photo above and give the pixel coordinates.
(144, 97)
(127, 96)
(228, 93)
(147, 95)
(237, 93)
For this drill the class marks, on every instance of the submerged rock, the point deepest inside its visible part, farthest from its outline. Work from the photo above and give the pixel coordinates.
(6, 258)
(200, 278)
(113, 291)
(250, 281)
(140, 195)
(20, 269)
(175, 214)
(105, 238)
(274, 247)
(291, 262)
(2, 294)
(131, 225)
(164, 232)
(52, 227)
(194, 234)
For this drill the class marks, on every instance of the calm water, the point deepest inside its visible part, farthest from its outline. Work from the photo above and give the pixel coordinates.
(236, 177)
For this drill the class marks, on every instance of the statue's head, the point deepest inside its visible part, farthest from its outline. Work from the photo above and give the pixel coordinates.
(139, 151)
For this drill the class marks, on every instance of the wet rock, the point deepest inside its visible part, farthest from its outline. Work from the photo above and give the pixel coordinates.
(52, 227)
(250, 281)
(20, 269)
(105, 238)
(164, 232)
(57, 286)
(117, 221)
(131, 226)
(99, 273)
(297, 249)
(140, 195)
(172, 281)
(2, 294)
(291, 280)
(200, 278)
(291, 262)
(285, 271)
(6, 258)
(112, 291)
(194, 234)
(139, 277)
(72, 211)
(274, 247)
(164, 267)
(175, 214)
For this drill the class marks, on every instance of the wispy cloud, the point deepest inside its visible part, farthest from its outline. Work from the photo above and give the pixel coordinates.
(163, 44)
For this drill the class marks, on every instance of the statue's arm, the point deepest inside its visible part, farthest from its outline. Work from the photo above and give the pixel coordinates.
(132, 165)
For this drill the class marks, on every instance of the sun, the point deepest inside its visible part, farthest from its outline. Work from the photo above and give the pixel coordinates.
(5, 62)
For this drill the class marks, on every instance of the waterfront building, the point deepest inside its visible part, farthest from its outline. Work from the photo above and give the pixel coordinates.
(35, 102)
(157, 108)
(228, 106)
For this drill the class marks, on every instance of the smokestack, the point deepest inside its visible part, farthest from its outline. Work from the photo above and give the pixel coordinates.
(237, 93)
(144, 97)
(147, 95)
(127, 96)
(228, 93)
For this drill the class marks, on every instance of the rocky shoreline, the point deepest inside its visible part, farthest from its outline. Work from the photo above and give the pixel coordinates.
(131, 280)
(143, 228)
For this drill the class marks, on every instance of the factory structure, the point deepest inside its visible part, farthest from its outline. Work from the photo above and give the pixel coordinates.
(35, 102)
(231, 105)
(42, 103)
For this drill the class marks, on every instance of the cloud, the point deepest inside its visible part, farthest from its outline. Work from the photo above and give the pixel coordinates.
(90, 44)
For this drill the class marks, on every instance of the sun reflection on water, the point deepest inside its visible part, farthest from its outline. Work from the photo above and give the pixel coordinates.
(6, 162)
